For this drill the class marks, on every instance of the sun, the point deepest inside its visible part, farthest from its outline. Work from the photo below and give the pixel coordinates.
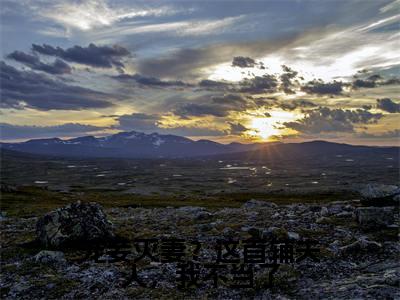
(263, 128)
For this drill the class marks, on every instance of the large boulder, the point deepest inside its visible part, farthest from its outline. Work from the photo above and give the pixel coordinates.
(46, 256)
(375, 217)
(380, 195)
(75, 223)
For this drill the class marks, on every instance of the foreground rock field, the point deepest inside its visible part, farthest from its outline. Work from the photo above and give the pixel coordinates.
(358, 251)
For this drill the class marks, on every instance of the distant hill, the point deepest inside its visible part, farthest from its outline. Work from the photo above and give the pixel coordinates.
(140, 145)
(127, 145)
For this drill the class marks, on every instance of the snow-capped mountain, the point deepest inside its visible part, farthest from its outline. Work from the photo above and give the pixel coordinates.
(127, 144)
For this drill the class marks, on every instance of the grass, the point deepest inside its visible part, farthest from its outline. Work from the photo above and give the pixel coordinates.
(34, 201)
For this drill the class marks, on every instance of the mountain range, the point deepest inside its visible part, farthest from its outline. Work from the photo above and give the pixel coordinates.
(141, 145)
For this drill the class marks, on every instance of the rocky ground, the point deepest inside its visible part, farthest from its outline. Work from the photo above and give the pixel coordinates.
(46, 257)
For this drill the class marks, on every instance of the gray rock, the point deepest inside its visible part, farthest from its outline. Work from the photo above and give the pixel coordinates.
(197, 212)
(293, 236)
(257, 203)
(335, 209)
(374, 217)
(77, 222)
(344, 214)
(324, 211)
(361, 245)
(379, 194)
(45, 256)
(275, 233)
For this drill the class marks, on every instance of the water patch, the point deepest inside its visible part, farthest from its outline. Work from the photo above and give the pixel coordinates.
(235, 168)
(231, 180)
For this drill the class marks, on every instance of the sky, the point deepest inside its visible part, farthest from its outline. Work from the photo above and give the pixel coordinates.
(243, 71)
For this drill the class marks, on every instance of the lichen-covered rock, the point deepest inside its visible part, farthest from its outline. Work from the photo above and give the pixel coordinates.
(379, 194)
(45, 256)
(374, 217)
(77, 222)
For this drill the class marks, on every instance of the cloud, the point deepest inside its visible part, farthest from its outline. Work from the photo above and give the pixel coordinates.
(259, 84)
(321, 88)
(287, 83)
(373, 81)
(32, 61)
(197, 110)
(388, 105)
(88, 15)
(21, 89)
(325, 119)
(237, 128)
(92, 55)
(153, 123)
(138, 121)
(12, 132)
(214, 105)
(385, 135)
(243, 62)
(193, 63)
(150, 81)
(292, 105)
(214, 85)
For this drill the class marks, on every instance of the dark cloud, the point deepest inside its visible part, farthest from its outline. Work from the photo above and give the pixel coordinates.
(217, 105)
(10, 131)
(325, 119)
(94, 56)
(388, 105)
(34, 90)
(373, 81)
(243, 62)
(150, 81)
(150, 123)
(292, 105)
(259, 84)
(237, 128)
(215, 85)
(287, 80)
(321, 88)
(197, 110)
(34, 62)
(138, 121)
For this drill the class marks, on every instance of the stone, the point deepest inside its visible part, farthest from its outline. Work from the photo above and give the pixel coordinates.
(344, 214)
(275, 233)
(361, 245)
(293, 236)
(45, 256)
(75, 223)
(379, 195)
(374, 217)
(324, 211)
(258, 204)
